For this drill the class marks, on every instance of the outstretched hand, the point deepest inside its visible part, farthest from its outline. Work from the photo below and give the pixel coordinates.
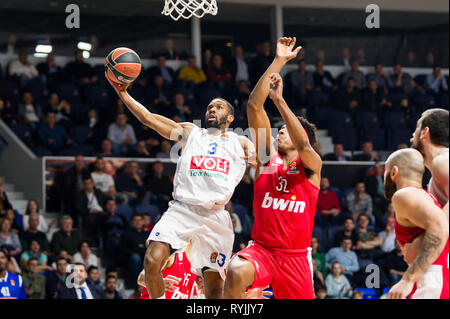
(276, 87)
(285, 49)
(117, 86)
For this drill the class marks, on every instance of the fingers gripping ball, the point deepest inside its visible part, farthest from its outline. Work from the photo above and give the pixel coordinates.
(122, 65)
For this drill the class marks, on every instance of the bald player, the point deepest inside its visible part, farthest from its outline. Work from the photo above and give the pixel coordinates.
(417, 213)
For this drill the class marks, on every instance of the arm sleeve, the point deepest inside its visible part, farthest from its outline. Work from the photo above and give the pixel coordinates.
(354, 267)
(332, 289)
(369, 205)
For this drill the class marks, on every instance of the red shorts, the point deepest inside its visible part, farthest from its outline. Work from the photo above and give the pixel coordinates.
(288, 271)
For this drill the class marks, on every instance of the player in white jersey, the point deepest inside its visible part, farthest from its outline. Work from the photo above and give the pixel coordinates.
(211, 165)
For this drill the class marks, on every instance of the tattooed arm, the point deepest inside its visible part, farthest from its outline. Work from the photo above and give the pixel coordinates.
(415, 208)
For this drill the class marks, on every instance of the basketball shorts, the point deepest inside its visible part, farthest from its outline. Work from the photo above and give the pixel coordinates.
(211, 233)
(432, 285)
(288, 271)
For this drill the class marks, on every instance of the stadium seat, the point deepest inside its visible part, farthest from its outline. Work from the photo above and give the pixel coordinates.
(375, 135)
(368, 120)
(68, 92)
(332, 231)
(368, 293)
(152, 210)
(398, 136)
(125, 210)
(79, 134)
(339, 195)
(320, 234)
(13, 92)
(420, 79)
(395, 120)
(38, 90)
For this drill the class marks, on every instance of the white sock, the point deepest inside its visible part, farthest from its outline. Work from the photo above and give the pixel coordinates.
(162, 297)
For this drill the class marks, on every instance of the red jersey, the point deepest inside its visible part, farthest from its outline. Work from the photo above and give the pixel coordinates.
(407, 235)
(181, 268)
(285, 204)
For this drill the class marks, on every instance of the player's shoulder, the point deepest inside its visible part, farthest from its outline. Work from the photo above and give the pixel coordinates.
(439, 165)
(409, 197)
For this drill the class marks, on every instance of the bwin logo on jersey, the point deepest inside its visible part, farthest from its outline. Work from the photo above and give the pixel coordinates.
(283, 204)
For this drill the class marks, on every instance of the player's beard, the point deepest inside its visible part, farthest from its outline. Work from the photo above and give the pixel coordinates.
(418, 145)
(389, 188)
(218, 123)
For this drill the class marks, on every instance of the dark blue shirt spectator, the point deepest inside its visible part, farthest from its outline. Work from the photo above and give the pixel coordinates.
(53, 136)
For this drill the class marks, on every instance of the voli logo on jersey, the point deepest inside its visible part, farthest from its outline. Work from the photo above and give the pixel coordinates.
(210, 163)
(283, 204)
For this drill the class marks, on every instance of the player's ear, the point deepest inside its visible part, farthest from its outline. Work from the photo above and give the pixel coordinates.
(394, 172)
(424, 133)
(230, 118)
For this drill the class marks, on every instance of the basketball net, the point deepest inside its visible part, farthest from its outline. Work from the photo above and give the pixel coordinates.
(177, 9)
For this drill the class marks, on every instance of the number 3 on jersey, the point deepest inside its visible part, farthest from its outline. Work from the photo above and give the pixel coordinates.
(212, 148)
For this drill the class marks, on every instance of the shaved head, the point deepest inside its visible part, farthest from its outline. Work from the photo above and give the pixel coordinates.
(404, 164)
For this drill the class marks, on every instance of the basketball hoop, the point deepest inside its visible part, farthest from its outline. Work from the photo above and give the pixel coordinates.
(177, 9)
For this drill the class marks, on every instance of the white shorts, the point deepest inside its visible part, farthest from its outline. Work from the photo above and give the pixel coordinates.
(211, 233)
(431, 284)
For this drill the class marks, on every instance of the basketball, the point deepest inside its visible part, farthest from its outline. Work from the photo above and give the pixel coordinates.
(122, 65)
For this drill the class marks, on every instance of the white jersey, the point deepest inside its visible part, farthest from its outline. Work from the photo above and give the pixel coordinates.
(434, 189)
(209, 169)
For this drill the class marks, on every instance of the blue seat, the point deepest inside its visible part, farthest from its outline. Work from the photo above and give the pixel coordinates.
(80, 133)
(320, 234)
(347, 137)
(398, 136)
(375, 135)
(241, 211)
(205, 96)
(368, 120)
(152, 210)
(13, 92)
(98, 95)
(339, 195)
(68, 92)
(368, 293)
(125, 210)
(396, 120)
(38, 90)
(332, 231)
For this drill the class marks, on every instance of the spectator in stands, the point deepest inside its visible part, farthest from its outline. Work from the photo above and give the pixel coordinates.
(111, 288)
(349, 99)
(130, 183)
(147, 222)
(359, 201)
(66, 238)
(356, 74)
(191, 72)
(344, 256)
(318, 257)
(260, 63)
(348, 231)
(323, 80)
(9, 47)
(112, 271)
(207, 60)
(318, 277)
(141, 150)
(374, 98)
(166, 147)
(61, 108)
(22, 68)
(375, 188)
(81, 289)
(299, 83)
(79, 71)
(367, 155)
(53, 136)
(159, 93)
(106, 148)
(113, 227)
(85, 255)
(320, 55)
(368, 243)
(94, 276)
(50, 69)
(345, 60)
(13, 217)
(179, 108)
(381, 78)
(321, 293)
(410, 61)
(387, 236)
(218, 73)
(337, 155)
(89, 206)
(30, 112)
(133, 246)
(435, 82)
(33, 208)
(338, 286)
(33, 233)
(239, 65)
(328, 207)
(169, 51)
(160, 186)
(34, 251)
(361, 56)
(357, 294)
(9, 238)
(401, 81)
(33, 281)
(72, 184)
(395, 264)
(121, 135)
(162, 69)
(7, 112)
(429, 60)
(105, 182)
(56, 279)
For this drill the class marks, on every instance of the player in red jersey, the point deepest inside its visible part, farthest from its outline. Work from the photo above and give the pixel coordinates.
(417, 212)
(286, 190)
(178, 278)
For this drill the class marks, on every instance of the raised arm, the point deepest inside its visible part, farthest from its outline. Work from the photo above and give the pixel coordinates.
(415, 207)
(309, 157)
(165, 127)
(258, 121)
